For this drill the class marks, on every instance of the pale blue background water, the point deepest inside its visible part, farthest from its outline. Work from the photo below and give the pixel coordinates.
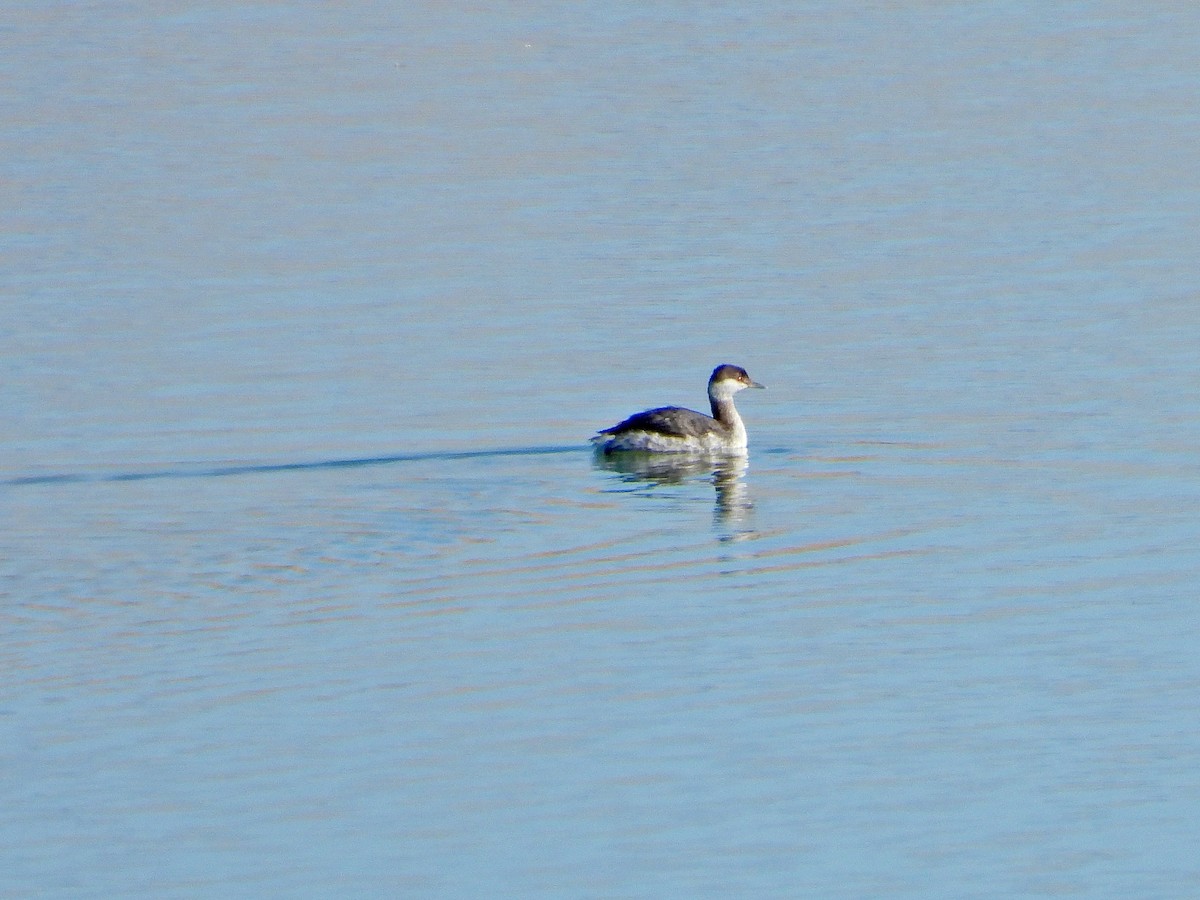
(310, 587)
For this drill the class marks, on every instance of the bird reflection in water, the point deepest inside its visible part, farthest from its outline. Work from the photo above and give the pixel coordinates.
(733, 504)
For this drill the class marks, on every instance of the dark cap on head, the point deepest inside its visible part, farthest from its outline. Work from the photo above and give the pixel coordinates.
(737, 373)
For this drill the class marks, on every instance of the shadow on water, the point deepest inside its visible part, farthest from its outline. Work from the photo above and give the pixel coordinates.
(733, 504)
(269, 468)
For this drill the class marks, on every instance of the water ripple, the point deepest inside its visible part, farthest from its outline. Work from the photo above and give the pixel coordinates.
(182, 471)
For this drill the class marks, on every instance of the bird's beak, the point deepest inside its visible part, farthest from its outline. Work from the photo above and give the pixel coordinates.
(757, 385)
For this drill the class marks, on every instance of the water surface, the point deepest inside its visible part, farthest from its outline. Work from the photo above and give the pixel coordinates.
(311, 585)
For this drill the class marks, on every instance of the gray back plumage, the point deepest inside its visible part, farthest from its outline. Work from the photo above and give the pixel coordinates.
(669, 420)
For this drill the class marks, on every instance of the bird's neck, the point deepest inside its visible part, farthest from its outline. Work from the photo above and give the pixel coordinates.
(726, 413)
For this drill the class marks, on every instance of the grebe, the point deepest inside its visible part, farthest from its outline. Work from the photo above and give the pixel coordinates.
(671, 429)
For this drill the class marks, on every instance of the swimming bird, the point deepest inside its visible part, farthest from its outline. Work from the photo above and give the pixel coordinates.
(672, 429)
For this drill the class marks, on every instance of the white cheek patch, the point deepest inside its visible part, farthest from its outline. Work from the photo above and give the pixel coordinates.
(726, 388)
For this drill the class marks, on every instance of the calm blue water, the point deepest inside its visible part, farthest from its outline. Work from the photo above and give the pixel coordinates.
(311, 587)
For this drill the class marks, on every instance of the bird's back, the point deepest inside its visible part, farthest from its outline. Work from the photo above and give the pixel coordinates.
(668, 420)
